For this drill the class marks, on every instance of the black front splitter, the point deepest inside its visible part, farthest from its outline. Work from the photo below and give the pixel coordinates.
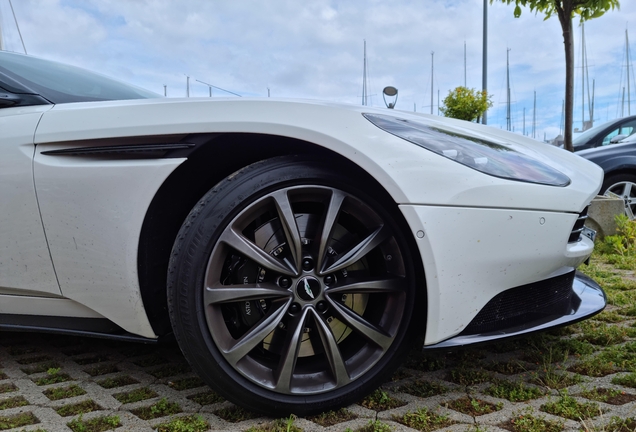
(592, 301)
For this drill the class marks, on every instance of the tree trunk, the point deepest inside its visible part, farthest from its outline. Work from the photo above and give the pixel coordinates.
(565, 17)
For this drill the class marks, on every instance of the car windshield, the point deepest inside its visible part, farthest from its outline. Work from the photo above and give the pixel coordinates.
(60, 83)
(584, 137)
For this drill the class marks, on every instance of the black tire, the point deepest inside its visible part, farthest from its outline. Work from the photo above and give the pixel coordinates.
(284, 331)
(623, 185)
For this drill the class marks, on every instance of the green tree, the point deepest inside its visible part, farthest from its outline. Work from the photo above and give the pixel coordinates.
(565, 10)
(466, 104)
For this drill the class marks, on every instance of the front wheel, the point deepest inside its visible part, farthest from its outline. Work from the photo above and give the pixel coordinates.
(291, 287)
(623, 185)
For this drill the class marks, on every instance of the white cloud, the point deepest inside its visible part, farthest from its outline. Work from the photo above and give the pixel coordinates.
(314, 49)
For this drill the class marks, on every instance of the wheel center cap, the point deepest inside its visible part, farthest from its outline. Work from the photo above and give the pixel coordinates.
(308, 288)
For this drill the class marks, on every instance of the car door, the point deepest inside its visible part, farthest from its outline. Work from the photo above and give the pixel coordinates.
(25, 262)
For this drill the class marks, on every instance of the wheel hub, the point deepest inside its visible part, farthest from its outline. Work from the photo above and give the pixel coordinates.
(308, 289)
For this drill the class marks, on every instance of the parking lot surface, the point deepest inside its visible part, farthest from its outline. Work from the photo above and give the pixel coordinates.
(55, 382)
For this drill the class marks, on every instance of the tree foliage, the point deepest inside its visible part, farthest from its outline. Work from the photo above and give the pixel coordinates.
(566, 10)
(466, 104)
(585, 9)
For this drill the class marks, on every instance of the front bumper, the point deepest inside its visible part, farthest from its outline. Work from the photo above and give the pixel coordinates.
(586, 299)
(472, 255)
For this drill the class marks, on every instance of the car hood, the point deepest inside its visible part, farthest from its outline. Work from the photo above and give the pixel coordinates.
(398, 165)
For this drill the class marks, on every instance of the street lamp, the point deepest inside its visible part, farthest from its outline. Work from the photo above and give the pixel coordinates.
(391, 92)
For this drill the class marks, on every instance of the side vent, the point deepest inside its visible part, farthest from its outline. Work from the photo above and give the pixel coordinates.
(575, 235)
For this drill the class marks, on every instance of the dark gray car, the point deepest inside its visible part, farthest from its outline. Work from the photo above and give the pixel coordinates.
(619, 163)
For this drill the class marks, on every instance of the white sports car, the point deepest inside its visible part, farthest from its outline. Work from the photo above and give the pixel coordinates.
(292, 248)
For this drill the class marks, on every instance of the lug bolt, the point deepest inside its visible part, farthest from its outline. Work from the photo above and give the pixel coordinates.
(329, 279)
(294, 308)
(308, 264)
(284, 282)
(321, 306)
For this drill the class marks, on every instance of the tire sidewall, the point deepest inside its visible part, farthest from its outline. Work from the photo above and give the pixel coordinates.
(189, 262)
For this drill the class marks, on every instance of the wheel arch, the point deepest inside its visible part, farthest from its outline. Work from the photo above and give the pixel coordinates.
(623, 171)
(217, 157)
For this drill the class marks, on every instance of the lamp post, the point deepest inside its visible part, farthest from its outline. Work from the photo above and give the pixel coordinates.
(391, 92)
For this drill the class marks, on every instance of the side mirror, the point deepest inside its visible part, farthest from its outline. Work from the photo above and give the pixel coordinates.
(8, 99)
(618, 138)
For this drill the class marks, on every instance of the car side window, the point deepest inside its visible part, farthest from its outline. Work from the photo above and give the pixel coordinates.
(609, 136)
(626, 129)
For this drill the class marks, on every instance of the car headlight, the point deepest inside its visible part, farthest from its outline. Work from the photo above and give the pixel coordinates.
(476, 153)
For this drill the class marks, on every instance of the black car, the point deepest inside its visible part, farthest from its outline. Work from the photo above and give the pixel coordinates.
(619, 163)
(606, 133)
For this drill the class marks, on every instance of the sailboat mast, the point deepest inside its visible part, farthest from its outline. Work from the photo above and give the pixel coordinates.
(464, 63)
(582, 77)
(508, 123)
(432, 63)
(592, 105)
(524, 122)
(364, 75)
(623, 104)
(1, 40)
(629, 93)
(534, 116)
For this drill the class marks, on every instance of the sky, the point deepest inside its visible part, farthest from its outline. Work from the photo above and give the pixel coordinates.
(314, 50)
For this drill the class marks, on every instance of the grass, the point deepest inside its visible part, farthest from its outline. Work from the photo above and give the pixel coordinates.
(603, 334)
(381, 401)
(119, 381)
(330, 418)
(235, 414)
(31, 360)
(527, 421)
(423, 420)
(186, 383)
(608, 395)
(191, 423)
(161, 408)
(552, 377)
(206, 398)
(514, 391)
(135, 395)
(154, 360)
(511, 367)
(422, 388)
(101, 369)
(92, 360)
(58, 393)
(628, 380)
(473, 407)
(617, 424)
(169, 370)
(373, 426)
(17, 420)
(468, 377)
(7, 388)
(13, 402)
(96, 424)
(53, 376)
(568, 407)
(425, 363)
(78, 408)
(42, 367)
(278, 425)
(21, 350)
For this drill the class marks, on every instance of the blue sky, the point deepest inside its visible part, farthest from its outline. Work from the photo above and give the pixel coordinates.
(315, 50)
